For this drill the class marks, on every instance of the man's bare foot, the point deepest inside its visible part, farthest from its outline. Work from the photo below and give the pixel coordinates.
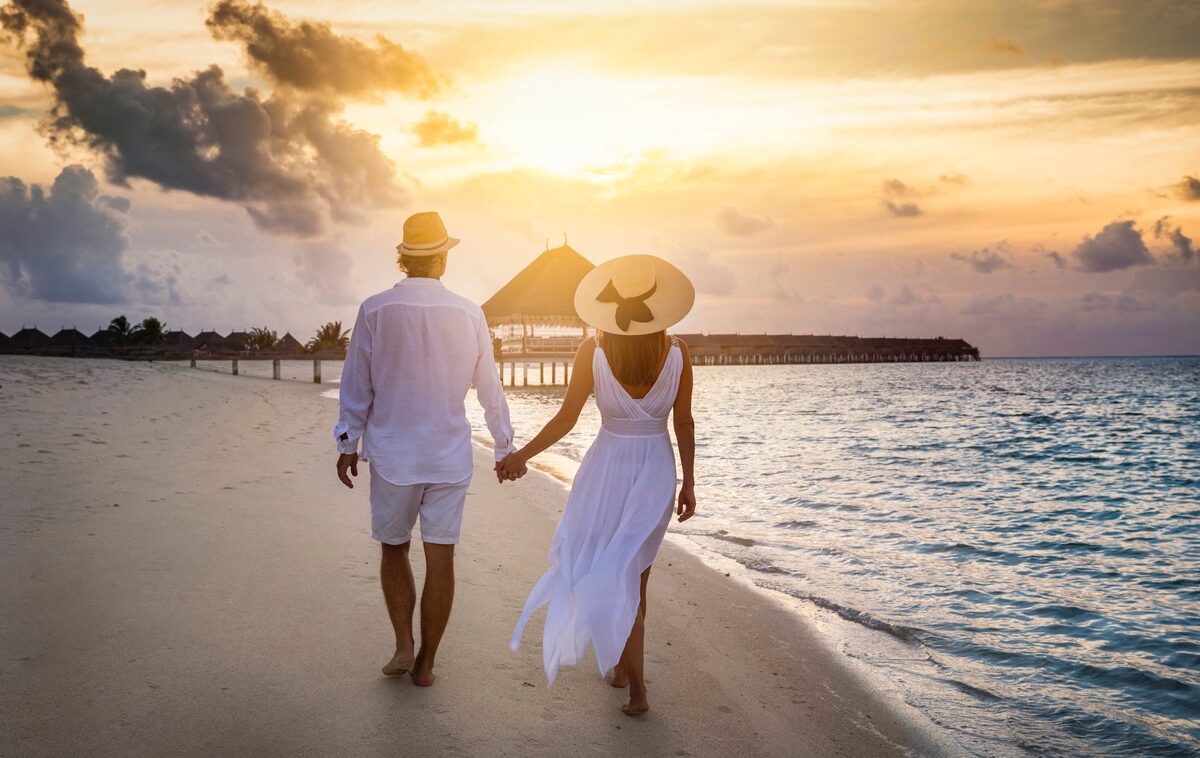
(422, 674)
(400, 663)
(635, 707)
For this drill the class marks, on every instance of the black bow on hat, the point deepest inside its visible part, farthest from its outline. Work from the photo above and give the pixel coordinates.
(629, 309)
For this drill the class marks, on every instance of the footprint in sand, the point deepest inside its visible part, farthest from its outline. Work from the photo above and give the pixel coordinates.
(227, 487)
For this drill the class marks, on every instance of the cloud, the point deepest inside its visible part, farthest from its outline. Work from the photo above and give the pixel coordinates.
(308, 56)
(1006, 47)
(1005, 305)
(986, 260)
(440, 129)
(325, 267)
(905, 297)
(709, 277)
(286, 159)
(1118, 246)
(1056, 258)
(897, 188)
(1188, 188)
(903, 210)
(1181, 250)
(1102, 301)
(65, 245)
(737, 224)
(956, 179)
(11, 111)
(875, 293)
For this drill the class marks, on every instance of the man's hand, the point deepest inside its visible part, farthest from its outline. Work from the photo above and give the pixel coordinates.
(687, 502)
(347, 463)
(511, 468)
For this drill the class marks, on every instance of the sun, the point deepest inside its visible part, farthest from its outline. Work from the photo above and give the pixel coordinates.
(570, 122)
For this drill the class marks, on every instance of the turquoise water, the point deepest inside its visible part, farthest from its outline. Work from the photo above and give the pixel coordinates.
(1029, 529)
(1026, 533)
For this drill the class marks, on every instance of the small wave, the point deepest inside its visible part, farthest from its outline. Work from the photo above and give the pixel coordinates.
(862, 618)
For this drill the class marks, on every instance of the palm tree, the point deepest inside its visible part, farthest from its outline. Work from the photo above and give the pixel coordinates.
(261, 339)
(329, 337)
(151, 331)
(121, 330)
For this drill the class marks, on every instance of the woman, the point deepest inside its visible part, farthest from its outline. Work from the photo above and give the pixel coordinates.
(621, 501)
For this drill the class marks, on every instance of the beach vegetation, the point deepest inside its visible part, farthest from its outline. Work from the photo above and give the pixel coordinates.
(150, 331)
(261, 339)
(121, 331)
(329, 337)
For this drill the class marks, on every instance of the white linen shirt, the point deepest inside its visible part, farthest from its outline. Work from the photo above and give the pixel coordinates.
(414, 352)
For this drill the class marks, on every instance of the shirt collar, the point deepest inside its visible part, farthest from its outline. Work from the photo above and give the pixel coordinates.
(420, 281)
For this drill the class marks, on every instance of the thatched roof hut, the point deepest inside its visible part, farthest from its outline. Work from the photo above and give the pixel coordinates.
(70, 338)
(101, 338)
(236, 340)
(209, 341)
(30, 338)
(288, 344)
(177, 339)
(543, 293)
(5, 342)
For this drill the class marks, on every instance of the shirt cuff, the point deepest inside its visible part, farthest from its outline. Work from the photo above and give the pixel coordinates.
(501, 452)
(348, 446)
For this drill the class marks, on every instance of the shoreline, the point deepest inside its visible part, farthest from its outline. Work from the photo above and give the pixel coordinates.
(184, 575)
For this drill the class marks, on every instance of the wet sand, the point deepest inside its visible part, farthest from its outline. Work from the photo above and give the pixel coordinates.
(183, 574)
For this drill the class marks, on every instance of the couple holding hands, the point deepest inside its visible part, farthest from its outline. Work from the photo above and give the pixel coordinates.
(415, 351)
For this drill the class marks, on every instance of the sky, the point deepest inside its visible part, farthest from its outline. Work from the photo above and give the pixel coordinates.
(1024, 175)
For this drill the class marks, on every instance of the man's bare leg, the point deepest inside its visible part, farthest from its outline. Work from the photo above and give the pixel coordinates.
(400, 594)
(631, 664)
(436, 599)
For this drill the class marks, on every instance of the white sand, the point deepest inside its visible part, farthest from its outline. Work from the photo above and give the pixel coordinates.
(183, 575)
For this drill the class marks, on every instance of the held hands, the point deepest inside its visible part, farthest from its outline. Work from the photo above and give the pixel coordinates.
(511, 468)
(687, 502)
(347, 462)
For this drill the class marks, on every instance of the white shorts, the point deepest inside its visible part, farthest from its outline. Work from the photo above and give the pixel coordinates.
(395, 507)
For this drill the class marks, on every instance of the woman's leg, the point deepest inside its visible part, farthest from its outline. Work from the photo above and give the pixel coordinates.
(631, 658)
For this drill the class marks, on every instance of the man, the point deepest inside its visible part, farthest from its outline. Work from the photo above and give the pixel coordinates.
(414, 351)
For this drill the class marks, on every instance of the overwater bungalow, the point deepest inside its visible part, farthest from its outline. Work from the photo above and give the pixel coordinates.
(177, 341)
(5, 342)
(288, 345)
(30, 338)
(208, 341)
(70, 338)
(101, 339)
(236, 341)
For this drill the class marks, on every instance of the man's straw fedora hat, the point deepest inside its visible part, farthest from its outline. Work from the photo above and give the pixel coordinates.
(425, 234)
(634, 294)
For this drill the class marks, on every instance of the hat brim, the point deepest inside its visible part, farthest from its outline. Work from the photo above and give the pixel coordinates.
(417, 251)
(673, 298)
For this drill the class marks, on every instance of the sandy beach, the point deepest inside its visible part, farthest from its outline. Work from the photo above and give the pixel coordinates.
(184, 575)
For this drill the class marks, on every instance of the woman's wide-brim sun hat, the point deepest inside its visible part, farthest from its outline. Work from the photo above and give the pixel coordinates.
(425, 234)
(634, 294)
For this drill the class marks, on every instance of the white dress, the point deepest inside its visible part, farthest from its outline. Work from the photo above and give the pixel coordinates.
(613, 524)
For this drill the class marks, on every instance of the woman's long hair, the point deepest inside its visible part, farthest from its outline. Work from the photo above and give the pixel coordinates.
(634, 359)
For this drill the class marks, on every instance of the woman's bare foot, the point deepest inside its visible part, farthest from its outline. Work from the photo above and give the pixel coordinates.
(422, 674)
(400, 663)
(635, 707)
(618, 678)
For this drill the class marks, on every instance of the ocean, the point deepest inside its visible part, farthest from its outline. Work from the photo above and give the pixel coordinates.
(1013, 546)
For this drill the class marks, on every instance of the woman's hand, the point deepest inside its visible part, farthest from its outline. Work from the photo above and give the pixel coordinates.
(687, 502)
(511, 468)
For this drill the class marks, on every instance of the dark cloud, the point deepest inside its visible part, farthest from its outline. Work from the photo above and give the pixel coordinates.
(287, 159)
(875, 293)
(11, 111)
(65, 245)
(1057, 259)
(737, 224)
(986, 260)
(1181, 250)
(441, 129)
(1188, 188)
(308, 56)
(903, 210)
(1117, 246)
(956, 179)
(897, 188)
